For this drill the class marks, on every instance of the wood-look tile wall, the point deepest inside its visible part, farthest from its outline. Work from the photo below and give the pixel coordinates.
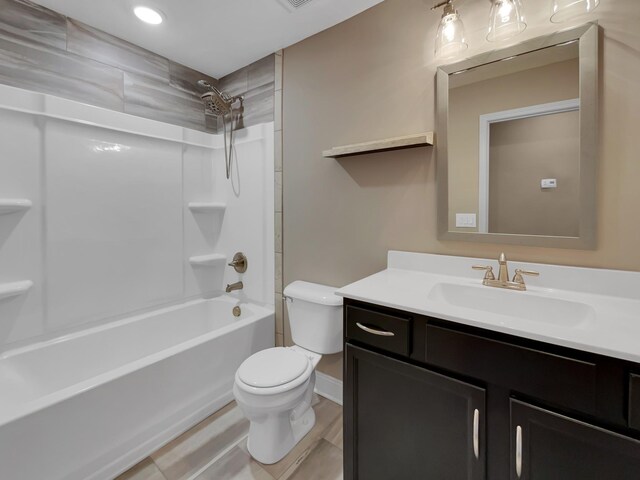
(256, 83)
(44, 51)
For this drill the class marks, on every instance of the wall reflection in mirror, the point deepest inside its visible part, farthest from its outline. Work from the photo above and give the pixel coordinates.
(513, 125)
(515, 160)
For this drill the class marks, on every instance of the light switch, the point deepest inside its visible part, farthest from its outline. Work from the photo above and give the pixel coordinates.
(466, 220)
(548, 183)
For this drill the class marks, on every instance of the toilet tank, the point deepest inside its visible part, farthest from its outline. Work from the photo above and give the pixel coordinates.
(315, 316)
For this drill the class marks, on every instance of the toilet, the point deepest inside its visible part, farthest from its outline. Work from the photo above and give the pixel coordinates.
(274, 387)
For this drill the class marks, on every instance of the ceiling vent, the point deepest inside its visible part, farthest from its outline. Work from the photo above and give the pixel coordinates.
(293, 5)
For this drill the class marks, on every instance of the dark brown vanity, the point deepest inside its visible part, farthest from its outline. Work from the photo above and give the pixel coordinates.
(430, 399)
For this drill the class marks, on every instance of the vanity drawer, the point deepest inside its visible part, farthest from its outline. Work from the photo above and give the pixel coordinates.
(563, 381)
(380, 330)
(634, 401)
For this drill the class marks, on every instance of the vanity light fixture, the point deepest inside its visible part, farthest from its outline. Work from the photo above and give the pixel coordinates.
(563, 10)
(506, 19)
(148, 15)
(450, 38)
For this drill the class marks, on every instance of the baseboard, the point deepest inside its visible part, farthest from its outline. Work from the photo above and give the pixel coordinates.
(329, 387)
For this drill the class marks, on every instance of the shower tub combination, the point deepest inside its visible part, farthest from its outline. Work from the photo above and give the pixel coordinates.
(117, 346)
(91, 404)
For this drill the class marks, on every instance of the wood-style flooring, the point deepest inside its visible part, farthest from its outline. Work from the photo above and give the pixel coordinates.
(216, 449)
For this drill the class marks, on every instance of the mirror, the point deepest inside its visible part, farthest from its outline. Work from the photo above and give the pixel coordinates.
(517, 143)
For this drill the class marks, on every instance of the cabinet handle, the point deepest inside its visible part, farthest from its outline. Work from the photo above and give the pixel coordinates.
(476, 433)
(519, 451)
(382, 333)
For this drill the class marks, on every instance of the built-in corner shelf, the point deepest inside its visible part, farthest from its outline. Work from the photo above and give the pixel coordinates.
(204, 207)
(12, 205)
(396, 143)
(208, 260)
(8, 290)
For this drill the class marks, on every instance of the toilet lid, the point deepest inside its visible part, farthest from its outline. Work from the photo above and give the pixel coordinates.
(272, 367)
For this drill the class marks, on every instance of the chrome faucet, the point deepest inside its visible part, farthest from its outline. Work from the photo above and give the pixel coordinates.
(503, 275)
(234, 286)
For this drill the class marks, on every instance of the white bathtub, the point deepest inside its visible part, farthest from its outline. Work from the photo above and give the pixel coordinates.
(90, 405)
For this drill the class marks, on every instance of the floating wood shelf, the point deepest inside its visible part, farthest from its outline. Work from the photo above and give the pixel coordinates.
(208, 260)
(8, 290)
(204, 207)
(12, 205)
(396, 143)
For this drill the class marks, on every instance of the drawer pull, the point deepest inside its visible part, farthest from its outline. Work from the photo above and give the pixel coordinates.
(382, 333)
(519, 451)
(476, 433)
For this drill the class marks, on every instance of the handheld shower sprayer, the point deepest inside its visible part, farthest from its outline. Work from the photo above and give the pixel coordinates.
(220, 104)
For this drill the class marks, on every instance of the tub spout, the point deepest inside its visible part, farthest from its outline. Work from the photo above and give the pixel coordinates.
(234, 286)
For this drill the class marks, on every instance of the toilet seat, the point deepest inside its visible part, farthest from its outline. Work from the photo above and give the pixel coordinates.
(273, 371)
(272, 367)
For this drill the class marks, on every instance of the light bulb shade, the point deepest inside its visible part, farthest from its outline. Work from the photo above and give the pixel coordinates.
(563, 10)
(450, 38)
(506, 20)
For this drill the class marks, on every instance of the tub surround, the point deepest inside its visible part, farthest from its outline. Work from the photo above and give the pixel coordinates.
(102, 310)
(608, 301)
(98, 248)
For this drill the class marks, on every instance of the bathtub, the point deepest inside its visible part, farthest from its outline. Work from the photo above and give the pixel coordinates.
(91, 404)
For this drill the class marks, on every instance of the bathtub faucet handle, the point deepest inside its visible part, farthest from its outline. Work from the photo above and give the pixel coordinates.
(240, 262)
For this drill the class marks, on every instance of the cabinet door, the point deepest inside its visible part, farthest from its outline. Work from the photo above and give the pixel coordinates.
(548, 446)
(404, 422)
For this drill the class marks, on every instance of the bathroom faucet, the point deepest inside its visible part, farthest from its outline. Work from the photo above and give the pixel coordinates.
(503, 275)
(234, 286)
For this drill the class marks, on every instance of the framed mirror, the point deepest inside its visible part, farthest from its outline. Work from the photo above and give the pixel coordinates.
(518, 142)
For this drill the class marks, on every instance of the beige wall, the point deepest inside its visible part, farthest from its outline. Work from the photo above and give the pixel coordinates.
(550, 83)
(373, 77)
(522, 153)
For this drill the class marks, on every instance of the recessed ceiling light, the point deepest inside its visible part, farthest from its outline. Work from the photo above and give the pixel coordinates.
(148, 15)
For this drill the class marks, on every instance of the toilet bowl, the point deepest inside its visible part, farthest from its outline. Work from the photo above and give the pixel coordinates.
(274, 387)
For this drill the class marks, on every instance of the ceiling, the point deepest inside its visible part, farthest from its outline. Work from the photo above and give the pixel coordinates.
(215, 37)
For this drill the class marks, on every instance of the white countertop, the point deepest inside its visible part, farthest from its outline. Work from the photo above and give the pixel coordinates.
(607, 321)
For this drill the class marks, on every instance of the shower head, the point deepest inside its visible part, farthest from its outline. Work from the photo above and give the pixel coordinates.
(220, 104)
(216, 102)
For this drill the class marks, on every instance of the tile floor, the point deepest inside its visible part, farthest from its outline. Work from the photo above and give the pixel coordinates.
(216, 449)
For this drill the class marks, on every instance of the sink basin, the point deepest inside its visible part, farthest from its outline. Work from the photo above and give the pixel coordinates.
(519, 305)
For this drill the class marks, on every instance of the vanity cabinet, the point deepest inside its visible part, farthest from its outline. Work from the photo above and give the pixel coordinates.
(427, 398)
(407, 422)
(548, 445)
